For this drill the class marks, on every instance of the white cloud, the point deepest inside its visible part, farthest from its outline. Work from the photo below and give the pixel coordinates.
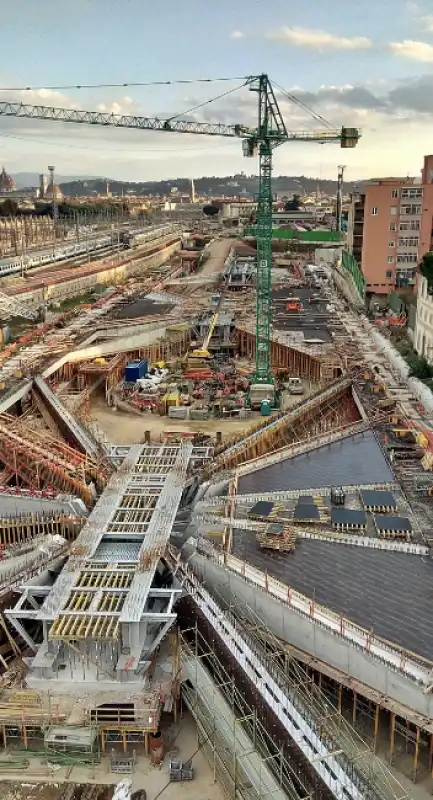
(39, 97)
(237, 35)
(318, 40)
(415, 51)
(418, 14)
(123, 105)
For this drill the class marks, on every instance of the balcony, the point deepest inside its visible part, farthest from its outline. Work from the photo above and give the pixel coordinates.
(410, 209)
(411, 194)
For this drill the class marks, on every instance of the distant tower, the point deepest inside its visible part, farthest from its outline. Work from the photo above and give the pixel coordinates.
(107, 189)
(339, 205)
(43, 185)
(192, 191)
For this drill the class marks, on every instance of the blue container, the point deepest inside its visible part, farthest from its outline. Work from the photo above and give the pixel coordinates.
(135, 370)
(265, 408)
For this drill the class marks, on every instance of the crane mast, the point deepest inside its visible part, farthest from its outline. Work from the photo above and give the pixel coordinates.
(261, 140)
(271, 131)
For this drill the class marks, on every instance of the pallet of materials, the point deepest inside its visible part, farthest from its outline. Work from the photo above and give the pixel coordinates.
(277, 537)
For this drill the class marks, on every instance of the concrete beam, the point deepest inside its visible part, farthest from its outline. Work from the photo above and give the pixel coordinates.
(121, 345)
(8, 400)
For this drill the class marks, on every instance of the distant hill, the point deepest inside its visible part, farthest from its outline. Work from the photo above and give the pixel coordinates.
(24, 180)
(230, 186)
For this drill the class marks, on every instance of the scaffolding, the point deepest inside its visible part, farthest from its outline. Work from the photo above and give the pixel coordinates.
(37, 460)
(323, 747)
(323, 411)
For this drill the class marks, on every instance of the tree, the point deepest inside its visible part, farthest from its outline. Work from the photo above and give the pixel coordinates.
(294, 204)
(210, 211)
(8, 208)
(420, 368)
(426, 270)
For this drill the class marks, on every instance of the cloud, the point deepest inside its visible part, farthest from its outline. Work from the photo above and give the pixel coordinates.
(408, 98)
(318, 40)
(420, 16)
(39, 97)
(237, 35)
(123, 105)
(415, 51)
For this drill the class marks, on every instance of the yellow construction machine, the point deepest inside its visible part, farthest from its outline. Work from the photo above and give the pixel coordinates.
(201, 354)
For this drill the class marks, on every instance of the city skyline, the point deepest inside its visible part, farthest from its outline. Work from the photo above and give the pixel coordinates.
(363, 67)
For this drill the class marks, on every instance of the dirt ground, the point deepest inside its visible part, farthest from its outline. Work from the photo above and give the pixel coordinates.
(36, 785)
(124, 428)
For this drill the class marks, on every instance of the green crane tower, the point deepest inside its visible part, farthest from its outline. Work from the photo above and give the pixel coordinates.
(269, 133)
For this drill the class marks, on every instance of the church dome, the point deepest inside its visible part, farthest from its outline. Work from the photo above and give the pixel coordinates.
(57, 192)
(7, 184)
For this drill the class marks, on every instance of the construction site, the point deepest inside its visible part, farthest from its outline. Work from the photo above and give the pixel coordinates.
(215, 517)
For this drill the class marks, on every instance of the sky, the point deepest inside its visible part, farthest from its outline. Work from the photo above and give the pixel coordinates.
(368, 65)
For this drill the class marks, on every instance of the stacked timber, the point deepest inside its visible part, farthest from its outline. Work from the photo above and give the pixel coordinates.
(277, 537)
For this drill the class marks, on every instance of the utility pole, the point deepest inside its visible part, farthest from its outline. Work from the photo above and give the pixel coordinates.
(53, 200)
(339, 208)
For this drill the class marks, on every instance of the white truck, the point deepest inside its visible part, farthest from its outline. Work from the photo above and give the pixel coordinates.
(294, 385)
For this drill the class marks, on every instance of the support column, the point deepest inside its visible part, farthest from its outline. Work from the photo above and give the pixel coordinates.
(392, 739)
(376, 726)
(416, 754)
(340, 697)
(354, 709)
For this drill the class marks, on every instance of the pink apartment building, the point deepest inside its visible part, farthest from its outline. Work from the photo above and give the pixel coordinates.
(390, 228)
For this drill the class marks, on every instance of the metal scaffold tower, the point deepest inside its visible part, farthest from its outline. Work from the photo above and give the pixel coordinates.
(269, 133)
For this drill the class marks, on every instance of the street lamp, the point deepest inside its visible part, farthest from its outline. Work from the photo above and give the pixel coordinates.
(54, 206)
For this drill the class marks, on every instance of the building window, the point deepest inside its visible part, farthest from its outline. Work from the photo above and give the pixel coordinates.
(391, 243)
(411, 194)
(393, 211)
(408, 241)
(407, 258)
(412, 225)
(390, 259)
(412, 209)
(374, 211)
(394, 194)
(392, 226)
(388, 273)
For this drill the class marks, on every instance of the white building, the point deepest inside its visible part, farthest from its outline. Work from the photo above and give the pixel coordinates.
(423, 340)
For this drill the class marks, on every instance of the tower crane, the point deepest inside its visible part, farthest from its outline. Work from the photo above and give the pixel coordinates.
(269, 133)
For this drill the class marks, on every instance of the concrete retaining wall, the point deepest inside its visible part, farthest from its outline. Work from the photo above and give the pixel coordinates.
(74, 285)
(304, 634)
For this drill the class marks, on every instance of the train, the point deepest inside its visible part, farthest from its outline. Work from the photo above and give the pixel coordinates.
(131, 239)
(20, 264)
